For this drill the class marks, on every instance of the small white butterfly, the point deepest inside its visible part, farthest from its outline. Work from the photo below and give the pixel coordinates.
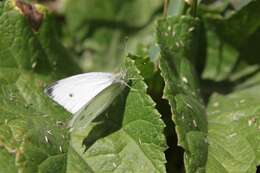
(92, 92)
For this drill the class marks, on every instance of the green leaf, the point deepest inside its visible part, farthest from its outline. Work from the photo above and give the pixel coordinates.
(224, 8)
(239, 4)
(144, 65)
(53, 164)
(101, 33)
(238, 27)
(221, 57)
(233, 132)
(32, 128)
(58, 56)
(178, 38)
(126, 137)
(7, 161)
(231, 49)
(176, 7)
(115, 11)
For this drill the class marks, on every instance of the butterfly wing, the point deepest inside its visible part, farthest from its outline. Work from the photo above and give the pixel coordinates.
(96, 106)
(75, 92)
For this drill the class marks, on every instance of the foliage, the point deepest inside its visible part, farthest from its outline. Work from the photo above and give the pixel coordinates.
(192, 104)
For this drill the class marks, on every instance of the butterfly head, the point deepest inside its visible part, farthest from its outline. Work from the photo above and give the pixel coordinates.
(121, 77)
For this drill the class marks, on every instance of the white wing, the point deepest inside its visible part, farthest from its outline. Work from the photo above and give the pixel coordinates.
(75, 92)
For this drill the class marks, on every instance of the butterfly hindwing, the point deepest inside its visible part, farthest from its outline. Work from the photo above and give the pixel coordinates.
(96, 106)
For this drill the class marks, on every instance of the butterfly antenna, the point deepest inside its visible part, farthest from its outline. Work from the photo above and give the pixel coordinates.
(125, 43)
(126, 84)
(136, 78)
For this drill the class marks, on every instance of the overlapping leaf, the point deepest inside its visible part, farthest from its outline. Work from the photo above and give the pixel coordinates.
(127, 137)
(102, 32)
(233, 132)
(177, 37)
(32, 129)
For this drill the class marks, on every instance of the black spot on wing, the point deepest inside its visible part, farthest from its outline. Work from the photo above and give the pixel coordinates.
(49, 90)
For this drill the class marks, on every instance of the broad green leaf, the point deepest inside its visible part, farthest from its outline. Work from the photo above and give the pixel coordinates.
(128, 137)
(33, 131)
(53, 164)
(221, 57)
(105, 48)
(227, 57)
(249, 52)
(233, 132)
(151, 73)
(58, 56)
(246, 78)
(7, 161)
(214, 7)
(238, 27)
(224, 8)
(176, 7)
(238, 4)
(102, 35)
(178, 38)
(129, 13)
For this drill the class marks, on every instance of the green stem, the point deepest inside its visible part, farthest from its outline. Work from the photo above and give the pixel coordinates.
(194, 8)
(165, 8)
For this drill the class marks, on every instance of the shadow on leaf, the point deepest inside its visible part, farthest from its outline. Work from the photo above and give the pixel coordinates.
(108, 122)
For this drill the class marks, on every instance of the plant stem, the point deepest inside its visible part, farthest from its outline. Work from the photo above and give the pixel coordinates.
(194, 8)
(165, 8)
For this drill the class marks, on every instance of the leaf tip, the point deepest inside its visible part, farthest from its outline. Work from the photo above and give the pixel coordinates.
(32, 14)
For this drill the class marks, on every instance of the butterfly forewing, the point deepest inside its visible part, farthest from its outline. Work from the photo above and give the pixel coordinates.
(75, 92)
